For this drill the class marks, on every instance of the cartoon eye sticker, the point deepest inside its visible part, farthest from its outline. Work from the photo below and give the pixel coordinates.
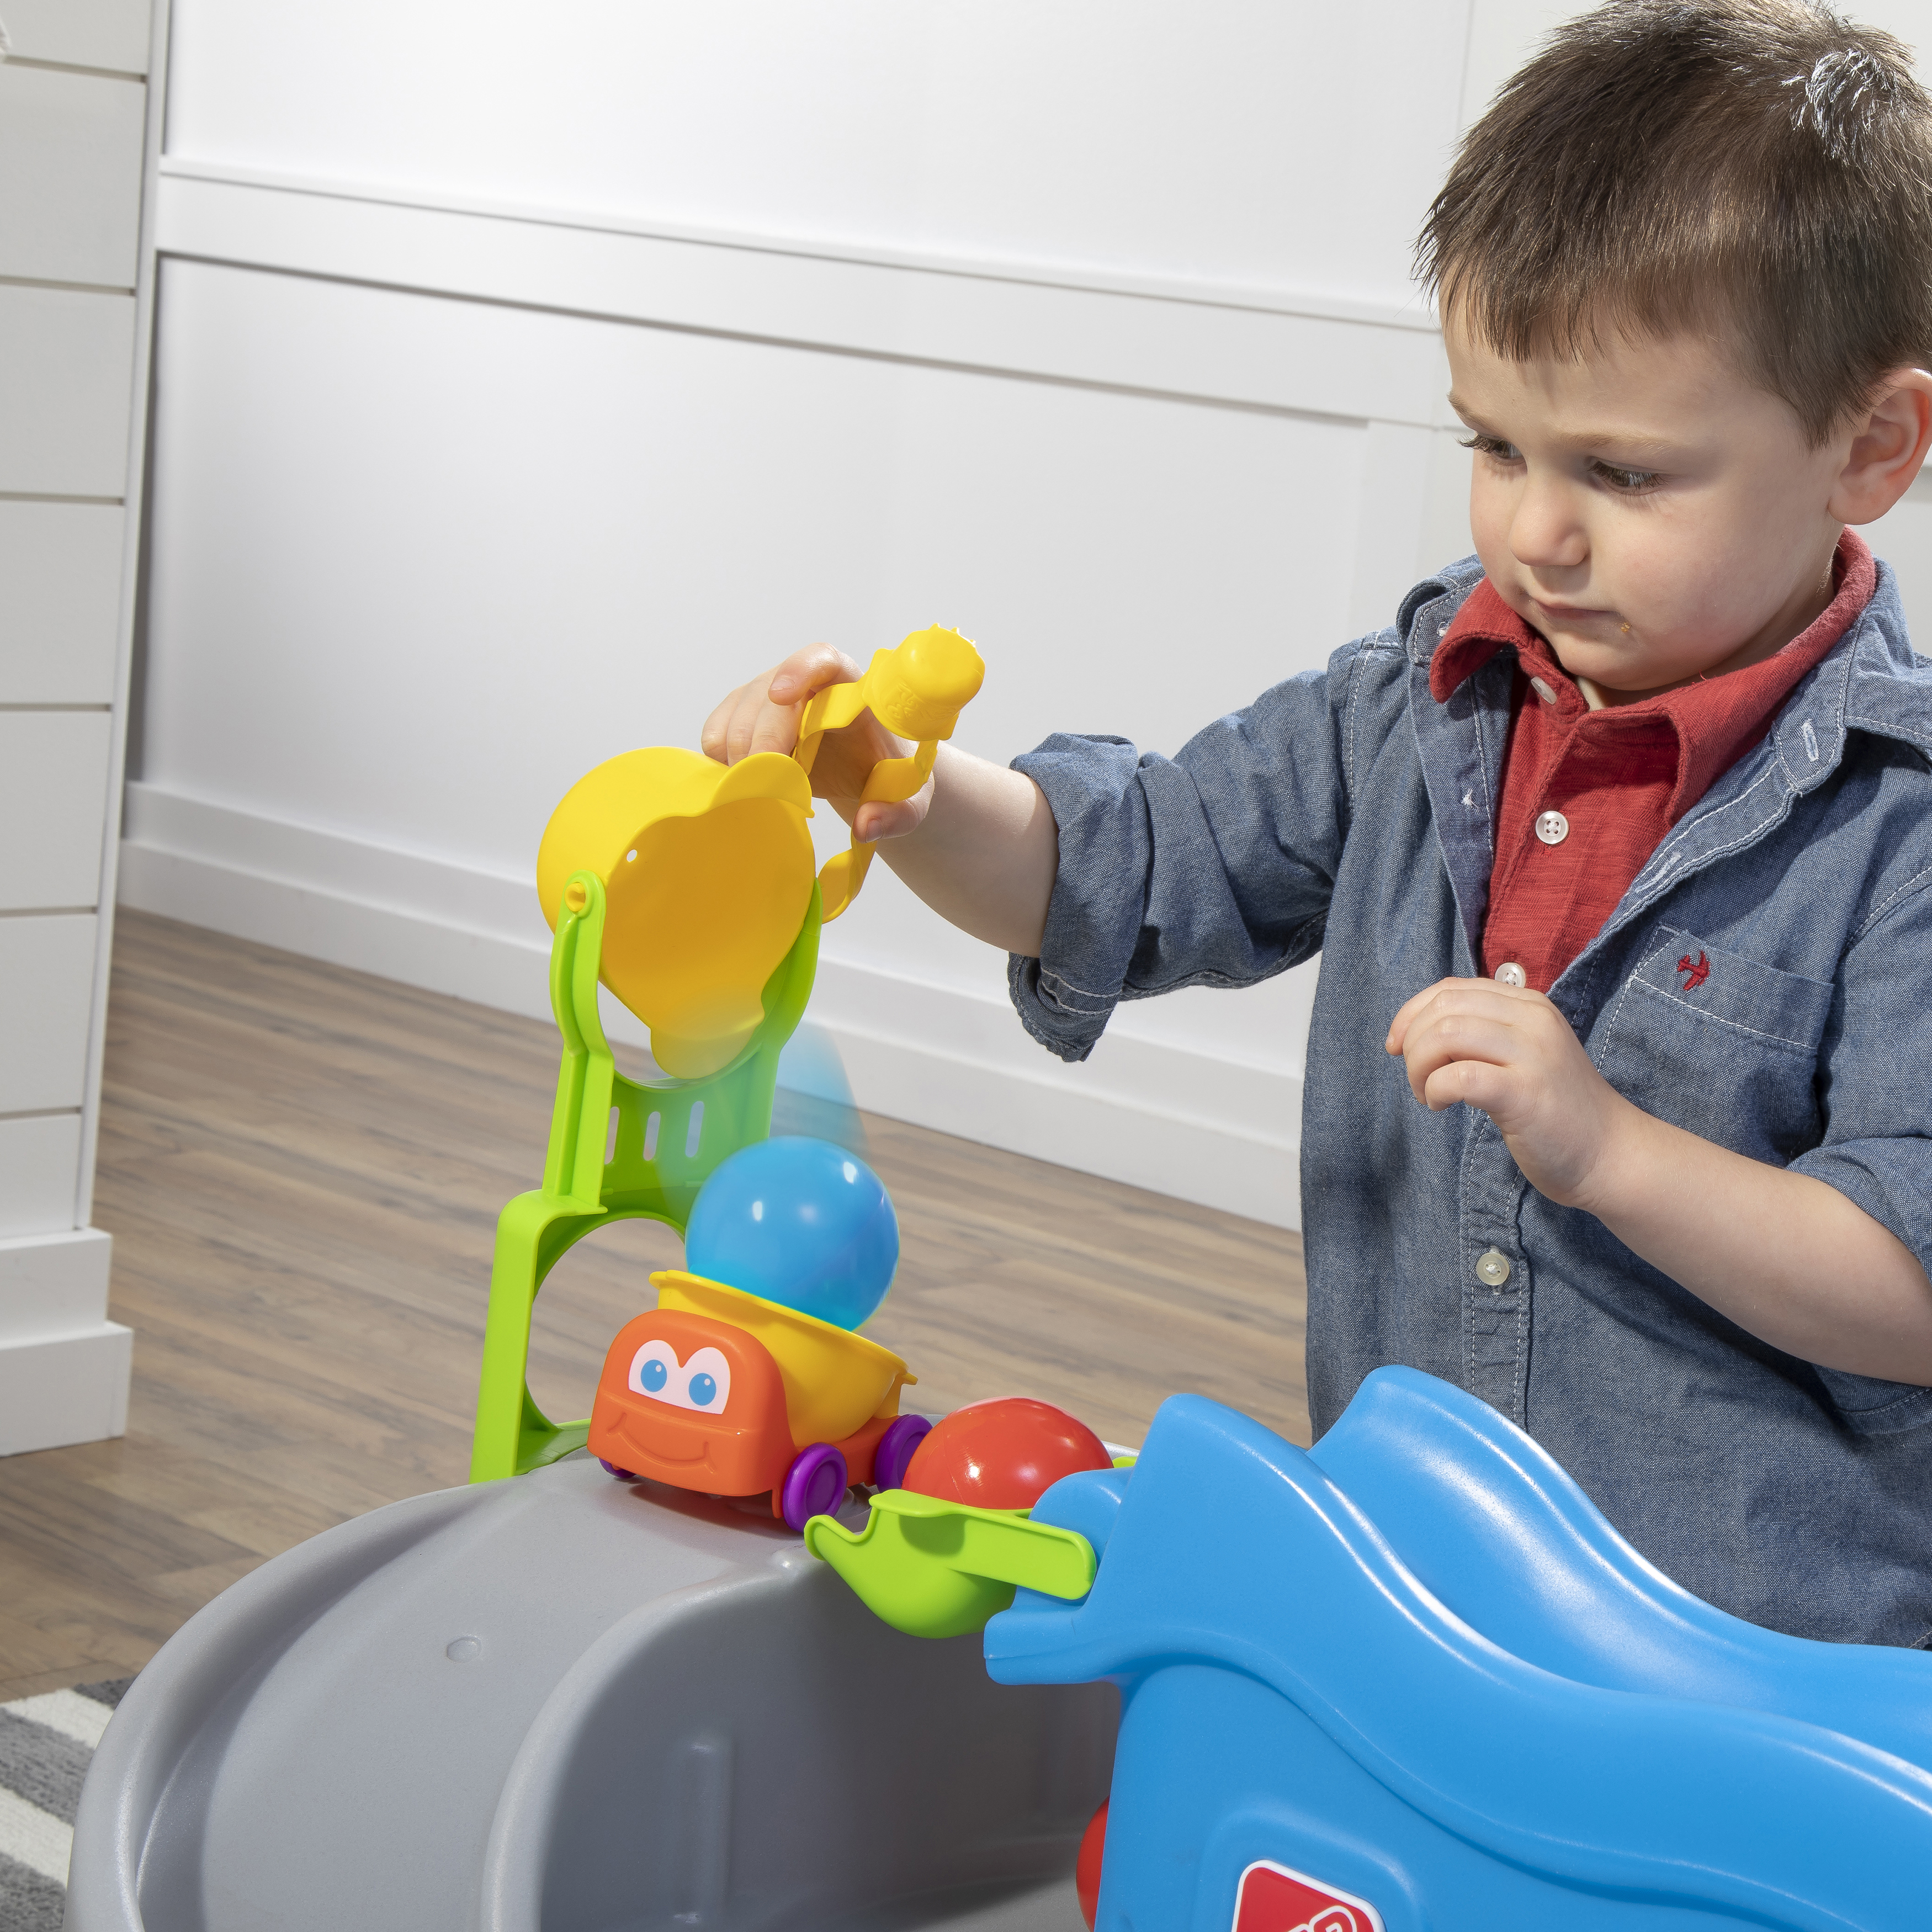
(703, 1383)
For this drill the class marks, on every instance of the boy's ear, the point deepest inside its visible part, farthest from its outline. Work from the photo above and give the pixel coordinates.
(1889, 443)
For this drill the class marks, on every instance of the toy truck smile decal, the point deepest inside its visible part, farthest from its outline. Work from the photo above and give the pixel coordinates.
(1272, 1898)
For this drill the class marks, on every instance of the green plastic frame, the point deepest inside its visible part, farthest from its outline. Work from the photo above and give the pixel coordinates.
(582, 1190)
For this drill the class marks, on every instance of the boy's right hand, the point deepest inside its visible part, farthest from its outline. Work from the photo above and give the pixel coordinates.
(764, 715)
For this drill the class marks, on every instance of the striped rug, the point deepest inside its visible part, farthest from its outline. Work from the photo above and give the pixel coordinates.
(45, 1744)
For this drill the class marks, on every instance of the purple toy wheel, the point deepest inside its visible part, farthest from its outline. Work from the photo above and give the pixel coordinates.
(611, 1469)
(890, 1459)
(813, 1485)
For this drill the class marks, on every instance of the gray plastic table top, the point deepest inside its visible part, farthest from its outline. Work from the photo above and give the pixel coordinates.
(564, 1703)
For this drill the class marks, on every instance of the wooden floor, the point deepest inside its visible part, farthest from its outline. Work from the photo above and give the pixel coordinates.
(302, 1168)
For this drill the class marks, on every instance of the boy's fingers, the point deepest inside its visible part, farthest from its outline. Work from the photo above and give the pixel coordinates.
(763, 715)
(748, 715)
(769, 726)
(810, 670)
(1464, 1036)
(1404, 1017)
(1446, 1039)
(727, 733)
(1474, 1082)
(1446, 996)
(878, 819)
(711, 739)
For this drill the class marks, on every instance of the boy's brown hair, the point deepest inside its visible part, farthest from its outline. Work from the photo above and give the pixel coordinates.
(1760, 170)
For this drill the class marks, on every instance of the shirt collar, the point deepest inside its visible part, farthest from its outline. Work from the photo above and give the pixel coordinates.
(1714, 718)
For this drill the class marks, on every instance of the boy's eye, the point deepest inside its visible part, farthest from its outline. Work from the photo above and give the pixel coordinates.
(1623, 482)
(1629, 482)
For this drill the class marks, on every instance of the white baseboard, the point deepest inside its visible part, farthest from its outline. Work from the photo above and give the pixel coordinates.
(1179, 1122)
(53, 1284)
(64, 1367)
(64, 1389)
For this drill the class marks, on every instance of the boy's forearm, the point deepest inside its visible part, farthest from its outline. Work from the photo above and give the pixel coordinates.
(1786, 1256)
(985, 854)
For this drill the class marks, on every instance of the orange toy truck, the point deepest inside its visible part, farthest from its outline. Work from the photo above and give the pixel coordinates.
(725, 1393)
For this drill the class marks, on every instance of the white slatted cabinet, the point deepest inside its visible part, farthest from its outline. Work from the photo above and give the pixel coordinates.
(75, 156)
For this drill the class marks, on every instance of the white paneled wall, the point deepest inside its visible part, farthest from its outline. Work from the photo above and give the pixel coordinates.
(73, 133)
(523, 386)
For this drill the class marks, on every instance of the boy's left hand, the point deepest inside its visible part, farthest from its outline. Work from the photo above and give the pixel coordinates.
(1507, 1050)
(1783, 1254)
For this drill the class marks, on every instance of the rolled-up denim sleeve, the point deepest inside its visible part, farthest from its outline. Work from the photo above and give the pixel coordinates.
(1213, 867)
(1876, 1077)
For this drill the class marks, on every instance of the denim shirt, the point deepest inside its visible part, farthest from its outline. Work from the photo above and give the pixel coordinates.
(1348, 811)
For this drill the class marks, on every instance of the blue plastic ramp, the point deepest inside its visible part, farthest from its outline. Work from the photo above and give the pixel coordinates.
(1414, 1681)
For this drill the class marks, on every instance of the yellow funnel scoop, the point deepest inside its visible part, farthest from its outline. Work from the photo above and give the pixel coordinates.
(917, 690)
(707, 874)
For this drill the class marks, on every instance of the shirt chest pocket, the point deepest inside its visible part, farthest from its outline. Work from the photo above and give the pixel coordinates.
(1721, 1045)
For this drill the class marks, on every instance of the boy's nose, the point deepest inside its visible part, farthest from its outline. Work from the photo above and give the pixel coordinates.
(1545, 530)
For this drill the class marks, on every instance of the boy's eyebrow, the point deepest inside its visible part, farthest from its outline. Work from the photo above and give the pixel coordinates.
(1620, 440)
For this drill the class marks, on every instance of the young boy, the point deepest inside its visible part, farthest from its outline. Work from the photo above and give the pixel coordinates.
(1617, 844)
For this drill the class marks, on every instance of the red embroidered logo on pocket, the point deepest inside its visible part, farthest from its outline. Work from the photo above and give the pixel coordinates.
(1698, 972)
(1274, 1899)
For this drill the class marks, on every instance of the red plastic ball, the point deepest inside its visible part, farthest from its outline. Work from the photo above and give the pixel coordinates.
(1087, 1873)
(1002, 1454)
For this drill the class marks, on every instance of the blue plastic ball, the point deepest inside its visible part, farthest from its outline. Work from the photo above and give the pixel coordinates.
(801, 1223)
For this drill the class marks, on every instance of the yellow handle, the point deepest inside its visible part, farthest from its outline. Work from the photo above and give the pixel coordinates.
(916, 691)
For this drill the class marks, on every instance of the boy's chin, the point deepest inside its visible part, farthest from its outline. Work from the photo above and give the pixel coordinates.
(1623, 673)
(1619, 680)
(1589, 659)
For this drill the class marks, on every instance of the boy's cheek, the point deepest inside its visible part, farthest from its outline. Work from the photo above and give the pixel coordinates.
(1492, 515)
(1489, 507)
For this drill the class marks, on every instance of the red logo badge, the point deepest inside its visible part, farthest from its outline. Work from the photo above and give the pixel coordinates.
(1699, 972)
(1274, 1899)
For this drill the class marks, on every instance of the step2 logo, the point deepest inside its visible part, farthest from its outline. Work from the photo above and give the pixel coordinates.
(1272, 1898)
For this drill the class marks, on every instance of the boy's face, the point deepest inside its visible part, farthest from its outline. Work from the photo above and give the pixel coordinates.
(1653, 515)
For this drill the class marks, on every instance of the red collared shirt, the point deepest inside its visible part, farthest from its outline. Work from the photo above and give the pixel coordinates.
(1587, 795)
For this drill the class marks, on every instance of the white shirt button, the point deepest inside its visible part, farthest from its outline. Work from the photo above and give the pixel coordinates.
(1551, 827)
(1493, 1267)
(1511, 974)
(1543, 690)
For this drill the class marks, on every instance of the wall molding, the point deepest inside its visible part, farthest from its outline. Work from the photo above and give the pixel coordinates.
(1202, 291)
(1300, 353)
(1176, 1121)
